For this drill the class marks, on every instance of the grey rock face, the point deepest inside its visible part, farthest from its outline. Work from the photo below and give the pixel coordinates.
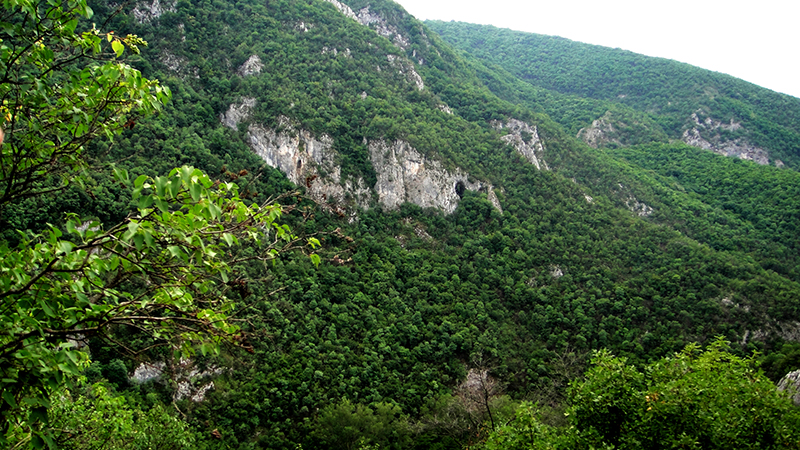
(238, 112)
(706, 134)
(344, 9)
(304, 158)
(375, 21)
(145, 12)
(791, 383)
(598, 134)
(406, 68)
(252, 66)
(148, 371)
(525, 138)
(404, 175)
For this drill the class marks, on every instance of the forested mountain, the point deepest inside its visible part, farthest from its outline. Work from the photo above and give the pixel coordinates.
(633, 96)
(475, 250)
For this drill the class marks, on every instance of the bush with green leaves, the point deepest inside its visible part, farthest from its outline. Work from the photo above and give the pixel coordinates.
(698, 399)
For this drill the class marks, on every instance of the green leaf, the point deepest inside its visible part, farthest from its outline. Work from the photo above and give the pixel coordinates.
(9, 397)
(139, 182)
(118, 48)
(229, 239)
(174, 187)
(195, 189)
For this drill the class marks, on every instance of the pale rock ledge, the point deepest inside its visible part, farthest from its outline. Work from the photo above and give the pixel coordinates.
(525, 138)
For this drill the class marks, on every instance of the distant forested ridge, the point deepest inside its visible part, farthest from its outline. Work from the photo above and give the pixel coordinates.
(569, 76)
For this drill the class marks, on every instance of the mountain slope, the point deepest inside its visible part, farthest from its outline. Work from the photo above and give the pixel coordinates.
(703, 108)
(463, 232)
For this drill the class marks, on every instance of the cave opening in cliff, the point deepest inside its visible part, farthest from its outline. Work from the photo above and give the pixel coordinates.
(460, 189)
(299, 164)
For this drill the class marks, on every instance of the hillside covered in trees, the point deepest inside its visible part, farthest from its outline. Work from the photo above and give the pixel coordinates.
(509, 234)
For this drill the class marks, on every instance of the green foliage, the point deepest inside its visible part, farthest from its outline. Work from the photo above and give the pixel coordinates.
(93, 417)
(51, 108)
(707, 399)
(348, 426)
(576, 83)
(399, 299)
(162, 271)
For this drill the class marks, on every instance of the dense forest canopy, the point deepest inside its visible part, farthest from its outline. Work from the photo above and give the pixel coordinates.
(568, 76)
(412, 327)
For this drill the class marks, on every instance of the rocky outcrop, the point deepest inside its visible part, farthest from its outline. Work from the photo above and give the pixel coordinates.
(179, 65)
(790, 384)
(788, 331)
(184, 375)
(145, 372)
(252, 66)
(407, 70)
(309, 161)
(708, 135)
(344, 9)
(238, 112)
(600, 133)
(639, 208)
(525, 138)
(145, 12)
(375, 21)
(382, 27)
(404, 175)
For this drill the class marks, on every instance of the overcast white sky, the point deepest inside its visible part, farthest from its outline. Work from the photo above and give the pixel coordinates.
(758, 41)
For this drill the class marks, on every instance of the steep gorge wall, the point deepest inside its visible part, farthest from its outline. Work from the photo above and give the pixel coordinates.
(403, 173)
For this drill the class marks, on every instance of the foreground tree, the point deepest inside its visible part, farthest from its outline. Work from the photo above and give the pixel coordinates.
(696, 399)
(164, 271)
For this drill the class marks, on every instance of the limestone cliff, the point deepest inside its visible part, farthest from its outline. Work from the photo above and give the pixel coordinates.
(601, 133)
(308, 161)
(790, 383)
(722, 138)
(525, 138)
(145, 12)
(403, 173)
(621, 127)
(372, 20)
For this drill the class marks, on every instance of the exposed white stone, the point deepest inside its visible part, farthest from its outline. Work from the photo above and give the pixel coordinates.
(238, 112)
(788, 331)
(344, 9)
(445, 109)
(200, 394)
(705, 135)
(404, 67)
(145, 12)
(382, 27)
(303, 158)
(598, 134)
(556, 272)
(178, 64)
(588, 198)
(525, 138)
(375, 21)
(639, 208)
(252, 66)
(790, 383)
(492, 197)
(148, 371)
(404, 175)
